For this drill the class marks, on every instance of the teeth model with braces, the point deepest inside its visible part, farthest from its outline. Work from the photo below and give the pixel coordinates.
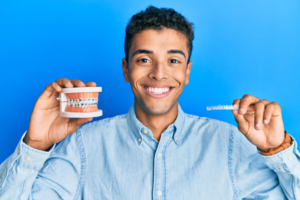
(79, 102)
(222, 107)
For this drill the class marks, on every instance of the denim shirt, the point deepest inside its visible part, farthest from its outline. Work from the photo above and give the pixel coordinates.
(118, 158)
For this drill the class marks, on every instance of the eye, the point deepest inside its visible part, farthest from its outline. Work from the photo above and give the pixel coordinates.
(144, 60)
(174, 61)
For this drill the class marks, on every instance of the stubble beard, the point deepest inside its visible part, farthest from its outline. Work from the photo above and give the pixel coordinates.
(156, 109)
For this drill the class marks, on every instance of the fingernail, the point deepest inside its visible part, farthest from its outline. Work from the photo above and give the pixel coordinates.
(69, 83)
(242, 110)
(266, 121)
(257, 125)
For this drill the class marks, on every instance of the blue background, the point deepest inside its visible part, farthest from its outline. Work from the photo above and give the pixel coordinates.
(240, 47)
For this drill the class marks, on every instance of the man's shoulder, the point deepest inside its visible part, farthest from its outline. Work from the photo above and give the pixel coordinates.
(101, 128)
(194, 120)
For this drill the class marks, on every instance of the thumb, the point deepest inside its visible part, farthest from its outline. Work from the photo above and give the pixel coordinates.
(241, 121)
(75, 123)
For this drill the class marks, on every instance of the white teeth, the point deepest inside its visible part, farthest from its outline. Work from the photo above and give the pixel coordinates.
(158, 90)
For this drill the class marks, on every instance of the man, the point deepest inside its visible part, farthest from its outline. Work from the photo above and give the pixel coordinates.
(155, 151)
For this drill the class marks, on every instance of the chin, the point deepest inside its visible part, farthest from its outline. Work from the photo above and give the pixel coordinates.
(156, 108)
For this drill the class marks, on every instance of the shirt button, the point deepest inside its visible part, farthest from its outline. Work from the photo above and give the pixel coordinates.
(159, 154)
(140, 139)
(18, 151)
(2, 176)
(159, 193)
(145, 131)
(27, 159)
(175, 138)
(290, 157)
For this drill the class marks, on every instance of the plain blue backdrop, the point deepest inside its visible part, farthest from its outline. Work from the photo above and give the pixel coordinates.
(240, 47)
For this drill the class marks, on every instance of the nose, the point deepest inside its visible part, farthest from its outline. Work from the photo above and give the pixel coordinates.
(158, 72)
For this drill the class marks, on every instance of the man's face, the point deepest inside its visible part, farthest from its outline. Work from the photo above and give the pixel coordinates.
(157, 69)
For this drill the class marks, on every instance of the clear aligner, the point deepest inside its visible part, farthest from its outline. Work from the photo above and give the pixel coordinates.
(83, 102)
(222, 107)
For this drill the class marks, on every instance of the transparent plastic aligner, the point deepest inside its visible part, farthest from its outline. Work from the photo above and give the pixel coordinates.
(222, 107)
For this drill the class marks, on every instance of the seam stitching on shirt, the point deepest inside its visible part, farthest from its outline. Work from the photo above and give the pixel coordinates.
(83, 164)
(230, 163)
(294, 179)
(179, 134)
(294, 185)
(129, 124)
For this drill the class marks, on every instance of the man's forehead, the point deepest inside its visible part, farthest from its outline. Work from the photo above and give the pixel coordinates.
(165, 38)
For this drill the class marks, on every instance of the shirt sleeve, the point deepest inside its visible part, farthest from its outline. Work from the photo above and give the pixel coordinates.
(255, 176)
(30, 174)
(286, 164)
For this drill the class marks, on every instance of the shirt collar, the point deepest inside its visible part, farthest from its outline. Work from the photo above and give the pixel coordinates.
(137, 127)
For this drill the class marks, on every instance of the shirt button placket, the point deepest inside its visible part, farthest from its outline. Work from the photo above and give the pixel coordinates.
(160, 169)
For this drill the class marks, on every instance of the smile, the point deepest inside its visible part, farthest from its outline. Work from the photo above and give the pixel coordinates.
(157, 91)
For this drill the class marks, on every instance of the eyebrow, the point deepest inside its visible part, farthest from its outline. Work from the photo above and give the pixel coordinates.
(140, 51)
(176, 51)
(144, 51)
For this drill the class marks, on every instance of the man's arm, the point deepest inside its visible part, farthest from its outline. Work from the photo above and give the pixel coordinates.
(34, 174)
(286, 164)
(256, 176)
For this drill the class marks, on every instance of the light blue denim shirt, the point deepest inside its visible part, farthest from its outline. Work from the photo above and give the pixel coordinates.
(118, 158)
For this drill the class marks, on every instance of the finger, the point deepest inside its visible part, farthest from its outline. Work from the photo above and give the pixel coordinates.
(246, 101)
(90, 84)
(75, 123)
(268, 112)
(50, 90)
(77, 83)
(64, 83)
(242, 123)
(236, 102)
(259, 113)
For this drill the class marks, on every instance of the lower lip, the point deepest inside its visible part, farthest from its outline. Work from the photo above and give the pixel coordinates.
(158, 95)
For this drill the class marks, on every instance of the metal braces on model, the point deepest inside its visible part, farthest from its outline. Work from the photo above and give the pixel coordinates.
(222, 107)
(79, 102)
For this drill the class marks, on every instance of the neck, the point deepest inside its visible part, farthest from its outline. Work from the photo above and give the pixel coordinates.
(156, 123)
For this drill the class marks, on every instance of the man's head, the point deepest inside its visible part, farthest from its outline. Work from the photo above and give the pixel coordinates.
(158, 46)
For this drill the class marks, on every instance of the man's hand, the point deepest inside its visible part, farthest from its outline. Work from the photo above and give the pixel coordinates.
(46, 126)
(260, 121)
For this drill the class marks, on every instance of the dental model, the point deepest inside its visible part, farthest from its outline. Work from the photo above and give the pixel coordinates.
(79, 102)
(222, 107)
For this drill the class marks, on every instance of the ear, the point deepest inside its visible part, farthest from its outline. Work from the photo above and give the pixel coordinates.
(187, 73)
(125, 70)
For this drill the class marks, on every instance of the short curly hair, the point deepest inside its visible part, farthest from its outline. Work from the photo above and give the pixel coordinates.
(158, 18)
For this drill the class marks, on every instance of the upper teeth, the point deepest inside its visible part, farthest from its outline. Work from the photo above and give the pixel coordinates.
(158, 90)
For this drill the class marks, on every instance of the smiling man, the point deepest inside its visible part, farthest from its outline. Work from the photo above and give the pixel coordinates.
(155, 151)
(159, 69)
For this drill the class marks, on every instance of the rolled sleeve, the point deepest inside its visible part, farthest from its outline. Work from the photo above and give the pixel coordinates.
(31, 158)
(287, 160)
(286, 164)
(24, 157)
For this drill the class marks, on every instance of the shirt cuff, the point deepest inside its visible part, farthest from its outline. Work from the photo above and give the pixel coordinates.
(29, 157)
(286, 160)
